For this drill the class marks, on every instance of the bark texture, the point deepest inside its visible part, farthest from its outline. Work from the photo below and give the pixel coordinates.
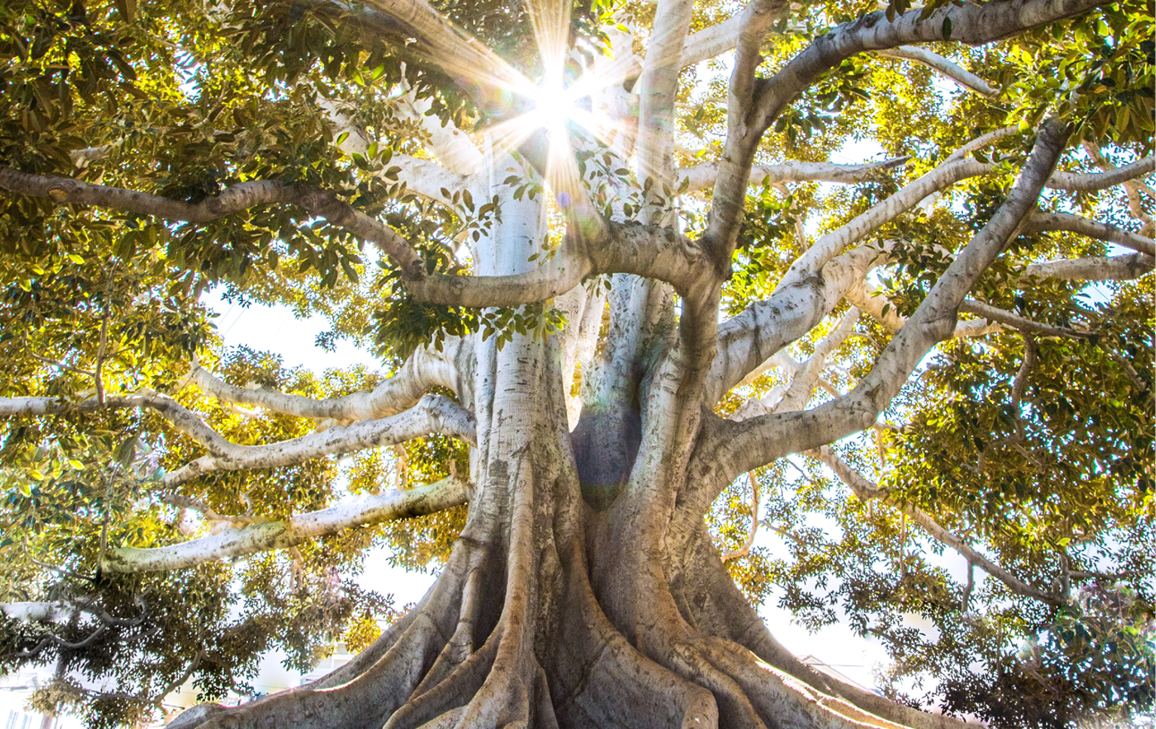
(584, 590)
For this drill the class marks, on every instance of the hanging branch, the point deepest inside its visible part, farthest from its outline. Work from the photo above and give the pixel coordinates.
(745, 549)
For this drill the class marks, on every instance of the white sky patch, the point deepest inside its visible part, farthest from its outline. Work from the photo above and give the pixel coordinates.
(277, 329)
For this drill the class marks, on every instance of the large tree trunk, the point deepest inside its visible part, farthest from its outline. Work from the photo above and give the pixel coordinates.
(561, 603)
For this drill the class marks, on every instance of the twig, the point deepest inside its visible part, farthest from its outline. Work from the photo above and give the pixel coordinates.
(746, 548)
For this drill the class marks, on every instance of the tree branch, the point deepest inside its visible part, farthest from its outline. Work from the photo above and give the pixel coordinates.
(656, 90)
(749, 339)
(232, 199)
(1086, 182)
(835, 242)
(1042, 222)
(710, 42)
(974, 24)
(702, 176)
(960, 75)
(1132, 189)
(647, 251)
(982, 141)
(755, 442)
(1018, 322)
(422, 371)
(1112, 268)
(400, 504)
(181, 417)
(865, 490)
(432, 414)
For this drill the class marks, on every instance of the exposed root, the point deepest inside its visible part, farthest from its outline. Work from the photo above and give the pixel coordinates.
(776, 694)
(720, 610)
(451, 695)
(554, 659)
(514, 634)
(600, 680)
(542, 704)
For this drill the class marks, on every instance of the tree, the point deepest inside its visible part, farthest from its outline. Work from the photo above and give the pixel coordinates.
(592, 259)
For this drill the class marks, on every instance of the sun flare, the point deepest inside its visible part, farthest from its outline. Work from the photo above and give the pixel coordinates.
(554, 105)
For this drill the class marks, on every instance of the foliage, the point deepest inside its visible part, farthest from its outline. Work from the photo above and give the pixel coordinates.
(187, 98)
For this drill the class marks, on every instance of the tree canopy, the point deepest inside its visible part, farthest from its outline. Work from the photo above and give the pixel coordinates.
(629, 313)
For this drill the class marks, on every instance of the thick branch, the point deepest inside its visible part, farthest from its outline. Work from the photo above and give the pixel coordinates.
(658, 83)
(231, 200)
(710, 42)
(1112, 268)
(1040, 222)
(1084, 182)
(432, 414)
(751, 338)
(424, 370)
(400, 504)
(703, 176)
(866, 490)
(835, 242)
(974, 24)
(758, 441)
(647, 251)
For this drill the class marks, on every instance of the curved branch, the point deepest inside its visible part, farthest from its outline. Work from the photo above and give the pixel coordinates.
(181, 417)
(1018, 322)
(974, 24)
(424, 370)
(400, 504)
(232, 199)
(953, 71)
(703, 176)
(749, 339)
(1041, 222)
(710, 42)
(982, 141)
(432, 414)
(1086, 182)
(835, 242)
(755, 442)
(865, 490)
(1112, 268)
(647, 251)
(768, 325)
